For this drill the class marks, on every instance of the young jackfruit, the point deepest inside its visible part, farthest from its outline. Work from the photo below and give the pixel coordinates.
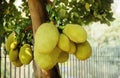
(25, 54)
(87, 6)
(63, 57)
(84, 51)
(46, 38)
(75, 32)
(72, 48)
(62, 13)
(64, 42)
(47, 61)
(11, 38)
(13, 55)
(17, 63)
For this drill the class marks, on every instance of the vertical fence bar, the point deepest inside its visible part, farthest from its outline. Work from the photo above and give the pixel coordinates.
(83, 69)
(97, 56)
(75, 66)
(64, 70)
(5, 67)
(0, 62)
(67, 69)
(14, 72)
(88, 68)
(33, 75)
(24, 71)
(10, 70)
(70, 65)
(19, 72)
(76, 69)
(29, 71)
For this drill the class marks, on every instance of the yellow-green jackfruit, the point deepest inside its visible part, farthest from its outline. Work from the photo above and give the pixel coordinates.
(13, 45)
(87, 6)
(13, 55)
(72, 47)
(64, 42)
(25, 54)
(46, 38)
(47, 61)
(63, 57)
(75, 32)
(84, 51)
(17, 63)
(11, 38)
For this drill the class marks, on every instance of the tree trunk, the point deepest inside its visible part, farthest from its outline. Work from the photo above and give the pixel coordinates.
(39, 16)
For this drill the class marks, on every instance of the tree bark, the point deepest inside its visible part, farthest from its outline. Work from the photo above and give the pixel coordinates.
(39, 16)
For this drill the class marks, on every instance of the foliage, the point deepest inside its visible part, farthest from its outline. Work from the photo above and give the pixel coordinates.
(61, 12)
(81, 12)
(13, 19)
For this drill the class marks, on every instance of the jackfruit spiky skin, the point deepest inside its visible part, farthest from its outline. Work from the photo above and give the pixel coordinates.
(17, 63)
(25, 54)
(46, 38)
(64, 42)
(75, 32)
(63, 57)
(13, 55)
(11, 38)
(72, 49)
(84, 51)
(47, 61)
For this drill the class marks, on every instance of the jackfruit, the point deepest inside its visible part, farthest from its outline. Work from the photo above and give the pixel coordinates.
(13, 45)
(46, 38)
(64, 42)
(72, 47)
(11, 38)
(47, 61)
(87, 6)
(63, 57)
(17, 63)
(25, 54)
(84, 51)
(62, 13)
(13, 55)
(75, 32)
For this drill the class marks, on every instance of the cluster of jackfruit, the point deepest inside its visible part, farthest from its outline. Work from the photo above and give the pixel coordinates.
(52, 46)
(18, 55)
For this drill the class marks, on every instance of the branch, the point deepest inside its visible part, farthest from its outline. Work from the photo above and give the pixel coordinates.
(27, 28)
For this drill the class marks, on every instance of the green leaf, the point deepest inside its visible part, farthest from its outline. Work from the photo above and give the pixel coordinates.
(2, 30)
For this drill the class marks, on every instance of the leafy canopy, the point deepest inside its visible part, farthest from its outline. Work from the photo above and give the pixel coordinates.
(61, 12)
(81, 12)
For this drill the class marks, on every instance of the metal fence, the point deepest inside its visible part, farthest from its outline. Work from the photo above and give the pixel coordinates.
(104, 63)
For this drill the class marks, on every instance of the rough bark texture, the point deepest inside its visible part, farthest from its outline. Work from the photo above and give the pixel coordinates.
(39, 16)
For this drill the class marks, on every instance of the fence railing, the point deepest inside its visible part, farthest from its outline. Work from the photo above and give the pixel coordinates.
(104, 63)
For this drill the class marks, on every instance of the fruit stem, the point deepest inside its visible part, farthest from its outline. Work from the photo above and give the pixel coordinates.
(61, 27)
